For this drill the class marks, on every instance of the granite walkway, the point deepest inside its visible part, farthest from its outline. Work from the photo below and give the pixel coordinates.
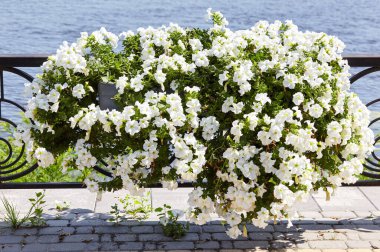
(349, 221)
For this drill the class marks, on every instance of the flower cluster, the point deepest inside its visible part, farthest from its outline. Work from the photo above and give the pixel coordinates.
(256, 119)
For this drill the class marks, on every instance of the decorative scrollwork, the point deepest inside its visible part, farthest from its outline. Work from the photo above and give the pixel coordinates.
(14, 165)
(9, 151)
(372, 165)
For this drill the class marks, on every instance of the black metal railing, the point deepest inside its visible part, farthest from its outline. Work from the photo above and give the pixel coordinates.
(16, 169)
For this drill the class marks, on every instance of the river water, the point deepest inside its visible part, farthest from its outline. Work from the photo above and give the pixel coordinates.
(40, 26)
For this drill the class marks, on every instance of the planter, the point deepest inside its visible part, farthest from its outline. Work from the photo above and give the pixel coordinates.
(106, 92)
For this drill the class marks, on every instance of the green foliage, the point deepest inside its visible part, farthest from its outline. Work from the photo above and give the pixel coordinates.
(137, 207)
(131, 207)
(169, 222)
(52, 173)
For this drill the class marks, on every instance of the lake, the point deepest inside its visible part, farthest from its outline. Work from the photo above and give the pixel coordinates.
(40, 26)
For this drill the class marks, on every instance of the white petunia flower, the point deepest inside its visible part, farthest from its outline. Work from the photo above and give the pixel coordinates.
(200, 59)
(78, 91)
(315, 111)
(44, 157)
(298, 98)
(262, 98)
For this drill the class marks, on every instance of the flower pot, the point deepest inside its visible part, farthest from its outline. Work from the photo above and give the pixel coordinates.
(106, 92)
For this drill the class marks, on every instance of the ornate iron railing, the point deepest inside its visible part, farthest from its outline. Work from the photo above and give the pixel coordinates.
(16, 169)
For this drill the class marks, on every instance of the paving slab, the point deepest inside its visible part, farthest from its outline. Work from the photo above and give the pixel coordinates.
(345, 199)
(77, 198)
(107, 199)
(309, 205)
(177, 198)
(373, 194)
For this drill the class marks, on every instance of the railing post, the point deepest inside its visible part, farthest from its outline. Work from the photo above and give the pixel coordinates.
(1, 87)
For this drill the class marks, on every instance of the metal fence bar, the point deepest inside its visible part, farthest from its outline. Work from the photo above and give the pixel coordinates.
(19, 60)
(66, 185)
(36, 60)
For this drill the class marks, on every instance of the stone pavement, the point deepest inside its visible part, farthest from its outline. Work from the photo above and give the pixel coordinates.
(349, 221)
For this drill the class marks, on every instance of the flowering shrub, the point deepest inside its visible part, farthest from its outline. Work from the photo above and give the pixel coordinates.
(256, 119)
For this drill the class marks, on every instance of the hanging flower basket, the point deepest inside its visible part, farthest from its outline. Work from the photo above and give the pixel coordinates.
(256, 119)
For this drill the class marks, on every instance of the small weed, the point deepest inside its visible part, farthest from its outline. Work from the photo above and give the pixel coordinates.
(61, 206)
(169, 222)
(34, 214)
(136, 207)
(131, 207)
(12, 215)
(36, 210)
(117, 215)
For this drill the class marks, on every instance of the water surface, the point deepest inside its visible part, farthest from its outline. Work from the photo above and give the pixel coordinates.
(40, 26)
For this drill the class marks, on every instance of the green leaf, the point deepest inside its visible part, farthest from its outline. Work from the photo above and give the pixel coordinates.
(158, 209)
